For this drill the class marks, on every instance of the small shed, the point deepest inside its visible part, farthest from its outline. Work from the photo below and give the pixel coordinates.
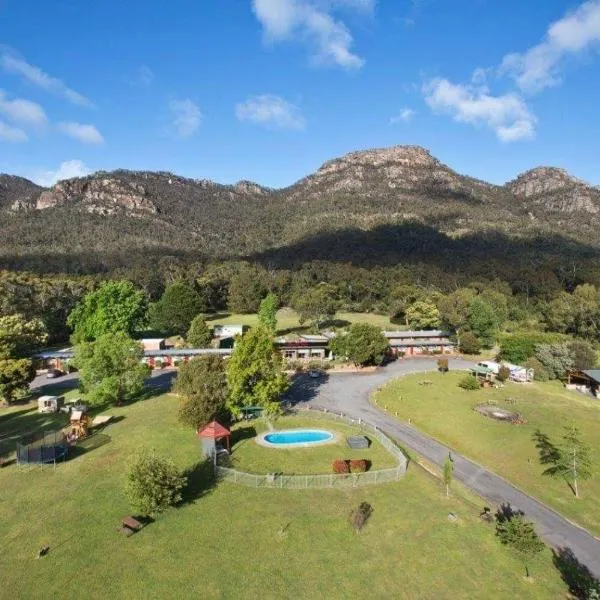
(213, 433)
(50, 404)
(483, 373)
(587, 381)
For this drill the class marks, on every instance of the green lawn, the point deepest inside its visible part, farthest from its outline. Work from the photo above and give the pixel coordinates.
(249, 456)
(445, 411)
(287, 320)
(228, 541)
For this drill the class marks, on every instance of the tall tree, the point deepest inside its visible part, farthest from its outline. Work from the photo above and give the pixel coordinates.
(202, 387)
(246, 289)
(364, 344)
(400, 298)
(556, 358)
(583, 354)
(448, 474)
(199, 334)
(483, 322)
(519, 534)
(111, 368)
(423, 314)
(18, 337)
(574, 462)
(455, 309)
(176, 309)
(114, 306)
(254, 373)
(267, 312)
(316, 304)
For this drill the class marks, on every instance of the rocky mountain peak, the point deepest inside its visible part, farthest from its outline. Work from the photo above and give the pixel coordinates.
(542, 180)
(249, 187)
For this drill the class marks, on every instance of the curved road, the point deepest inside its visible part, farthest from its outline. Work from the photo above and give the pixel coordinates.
(349, 393)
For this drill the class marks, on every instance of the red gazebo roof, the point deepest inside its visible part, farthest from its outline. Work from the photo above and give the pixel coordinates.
(214, 431)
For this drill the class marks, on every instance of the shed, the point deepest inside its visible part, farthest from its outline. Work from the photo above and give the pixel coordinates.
(214, 432)
(584, 381)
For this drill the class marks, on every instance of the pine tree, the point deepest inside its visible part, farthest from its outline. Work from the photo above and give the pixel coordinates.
(574, 462)
(448, 473)
(519, 534)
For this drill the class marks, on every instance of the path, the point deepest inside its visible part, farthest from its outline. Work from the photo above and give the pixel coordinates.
(350, 394)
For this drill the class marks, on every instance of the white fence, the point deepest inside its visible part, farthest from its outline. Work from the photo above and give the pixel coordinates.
(334, 480)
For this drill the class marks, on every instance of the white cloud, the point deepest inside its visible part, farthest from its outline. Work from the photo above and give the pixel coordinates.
(23, 111)
(507, 115)
(12, 134)
(66, 170)
(187, 117)
(12, 63)
(87, 134)
(406, 115)
(311, 21)
(540, 66)
(271, 111)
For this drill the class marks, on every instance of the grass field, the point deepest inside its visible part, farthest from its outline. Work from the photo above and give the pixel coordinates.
(445, 411)
(227, 541)
(287, 320)
(248, 456)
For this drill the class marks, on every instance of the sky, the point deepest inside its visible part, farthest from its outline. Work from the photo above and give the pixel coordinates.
(268, 90)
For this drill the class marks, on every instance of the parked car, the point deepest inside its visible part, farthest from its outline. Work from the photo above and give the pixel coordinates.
(54, 373)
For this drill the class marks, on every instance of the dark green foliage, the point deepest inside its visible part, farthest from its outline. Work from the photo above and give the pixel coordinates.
(199, 334)
(359, 516)
(111, 369)
(316, 304)
(469, 344)
(514, 531)
(556, 358)
(176, 309)
(247, 287)
(114, 306)
(503, 374)
(363, 345)
(267, 312)
(468, 382)
(483, 322)
(518, 347)
(583, 355)
(153, 483)
(202, 386)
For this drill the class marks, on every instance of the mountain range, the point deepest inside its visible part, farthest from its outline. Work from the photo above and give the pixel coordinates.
(156, 213)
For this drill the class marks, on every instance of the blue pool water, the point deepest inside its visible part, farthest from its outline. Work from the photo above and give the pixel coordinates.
(297, 437)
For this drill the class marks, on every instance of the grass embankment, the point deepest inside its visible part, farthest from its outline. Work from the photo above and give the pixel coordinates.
(234, 542)
(288, 322)
(249, 456)
(445, 411)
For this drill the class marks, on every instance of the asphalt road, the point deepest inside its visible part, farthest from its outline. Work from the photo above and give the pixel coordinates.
(350, 394)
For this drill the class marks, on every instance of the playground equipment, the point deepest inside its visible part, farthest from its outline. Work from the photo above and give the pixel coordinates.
(47, 447)
(79, 424)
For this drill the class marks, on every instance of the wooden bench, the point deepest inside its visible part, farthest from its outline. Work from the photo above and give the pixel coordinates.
(129, 526)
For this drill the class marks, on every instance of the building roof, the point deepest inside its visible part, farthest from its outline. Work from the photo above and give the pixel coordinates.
(214, 431)
(411, 343)
(593, 374)
(64, 354)
(425, 333)
(151, 340)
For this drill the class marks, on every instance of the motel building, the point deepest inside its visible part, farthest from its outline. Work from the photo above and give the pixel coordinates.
(305, 347)
(413, 343)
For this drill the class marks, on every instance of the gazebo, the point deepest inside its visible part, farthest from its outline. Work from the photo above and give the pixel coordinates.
(210, 435)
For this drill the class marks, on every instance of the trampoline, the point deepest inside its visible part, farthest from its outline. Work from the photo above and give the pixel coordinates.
(42, 449)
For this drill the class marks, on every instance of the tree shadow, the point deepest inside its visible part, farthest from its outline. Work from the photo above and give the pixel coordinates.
(575, 574)
(304, 388)
(506, 512)
(245, 432)
(90, 443)
(216, 316)
(335, 323)
(201, 481)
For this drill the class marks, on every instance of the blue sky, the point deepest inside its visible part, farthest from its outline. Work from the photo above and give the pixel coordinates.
(267, 90)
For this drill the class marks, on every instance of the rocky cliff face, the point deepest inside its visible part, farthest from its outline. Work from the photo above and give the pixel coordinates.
(17, 192)
(554, 189)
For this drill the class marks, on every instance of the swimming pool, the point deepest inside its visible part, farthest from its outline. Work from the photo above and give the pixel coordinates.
(297, 437)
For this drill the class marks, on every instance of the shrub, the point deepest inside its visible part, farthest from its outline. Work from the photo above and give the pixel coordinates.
(442, 364)
(153, 483)
(556, 358)
(359, 516)
(539, 371)
(359, 466)
(469, 344)
(341, 466)
(503, 374)
(468, 382)
(518, 347)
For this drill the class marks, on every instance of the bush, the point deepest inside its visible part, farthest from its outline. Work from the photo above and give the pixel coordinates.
(442, 365)
(153, 483)
(539, 371)
(359, 465)
(341, 466)
(503, 374)
(517, 348)
(556, 358)
(359, 516)
(468, 382)
(469, 344)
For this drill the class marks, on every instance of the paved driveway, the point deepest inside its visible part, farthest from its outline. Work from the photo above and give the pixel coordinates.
(350, 393)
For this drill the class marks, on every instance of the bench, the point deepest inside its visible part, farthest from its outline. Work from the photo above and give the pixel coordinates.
(125, 531)
(357, 442)
(131, 523)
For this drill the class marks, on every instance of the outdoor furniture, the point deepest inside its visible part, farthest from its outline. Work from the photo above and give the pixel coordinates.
(101, 420)
(125, 531)
(357, 442)
(131, 523)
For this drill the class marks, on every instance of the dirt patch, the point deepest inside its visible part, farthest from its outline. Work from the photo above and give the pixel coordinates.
(500, 414)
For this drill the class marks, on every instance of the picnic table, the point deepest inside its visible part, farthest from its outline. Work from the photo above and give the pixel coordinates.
(129, 525)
